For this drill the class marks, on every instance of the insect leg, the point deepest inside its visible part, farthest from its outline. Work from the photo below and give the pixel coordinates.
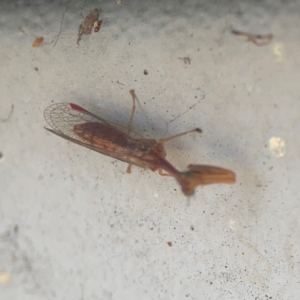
(134, 97)
(128, 170)
(132, 93)
(161, 141)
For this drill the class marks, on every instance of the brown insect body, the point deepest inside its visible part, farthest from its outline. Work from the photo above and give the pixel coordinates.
(115, 143)
(76, 124)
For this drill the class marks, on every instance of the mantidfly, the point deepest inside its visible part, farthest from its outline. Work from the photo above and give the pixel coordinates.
(75, 124)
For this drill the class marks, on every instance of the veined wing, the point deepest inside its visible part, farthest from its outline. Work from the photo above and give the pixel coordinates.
(64, 118)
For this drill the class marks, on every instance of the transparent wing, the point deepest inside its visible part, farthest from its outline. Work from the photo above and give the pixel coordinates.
(63, 118)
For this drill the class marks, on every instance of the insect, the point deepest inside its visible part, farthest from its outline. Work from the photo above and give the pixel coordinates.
(74, 123)
(256, 39)
(38, 41)
(88, 23)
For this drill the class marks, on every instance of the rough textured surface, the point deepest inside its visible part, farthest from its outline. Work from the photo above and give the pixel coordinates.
(73, 225)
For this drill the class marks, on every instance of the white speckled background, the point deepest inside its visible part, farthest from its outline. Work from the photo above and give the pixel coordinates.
(74, 225)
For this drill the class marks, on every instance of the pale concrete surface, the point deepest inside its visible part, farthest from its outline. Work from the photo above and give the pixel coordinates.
(73, 225)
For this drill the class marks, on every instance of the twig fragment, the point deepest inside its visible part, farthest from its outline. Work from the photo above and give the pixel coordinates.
(186, 60)
(62, 19)
(256, 39)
